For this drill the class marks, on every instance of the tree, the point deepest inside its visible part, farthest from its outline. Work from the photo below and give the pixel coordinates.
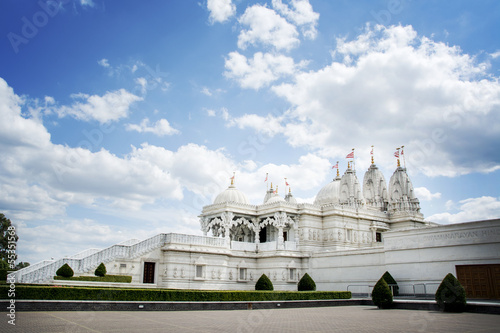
(22, 264)
(263, 283)
(100, 270)
(381, 295)
(450, 295)
(393, 285)
(8, 240)
(65, 271)
(306, 283)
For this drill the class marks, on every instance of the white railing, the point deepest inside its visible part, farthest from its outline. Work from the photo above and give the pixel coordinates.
(267, 246)
(89, 259)
(243, 246)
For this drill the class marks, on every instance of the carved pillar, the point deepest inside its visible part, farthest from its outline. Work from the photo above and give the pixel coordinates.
(256, 229)
(281, 242)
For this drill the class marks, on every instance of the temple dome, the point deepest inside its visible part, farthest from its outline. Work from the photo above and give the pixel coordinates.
(231, 194)
(329, 194)
(350, 190)
(275, 198)
(375, 188)
(401, 193)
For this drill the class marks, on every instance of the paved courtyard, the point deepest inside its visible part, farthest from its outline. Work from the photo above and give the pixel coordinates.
(327, 319)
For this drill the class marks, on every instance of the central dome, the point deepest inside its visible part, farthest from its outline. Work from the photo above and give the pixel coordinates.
(329, 194)
(231, 194)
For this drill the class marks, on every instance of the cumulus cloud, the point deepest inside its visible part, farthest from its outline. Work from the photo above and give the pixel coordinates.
(302, 15)
(112, 106)
(220, 10)
(259, 71)
(473, 209)
(425, 195)
(267, 28)
(400, 88)
(104, 63)
(160, 127)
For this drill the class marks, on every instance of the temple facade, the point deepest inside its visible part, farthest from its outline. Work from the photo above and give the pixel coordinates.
(345, 240)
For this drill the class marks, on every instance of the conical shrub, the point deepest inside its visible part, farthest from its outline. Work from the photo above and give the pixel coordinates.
(306, 283)
(65, 271)
(381, 295)
(100, 270)
(393, 285)
(450, 296)
(263, 283)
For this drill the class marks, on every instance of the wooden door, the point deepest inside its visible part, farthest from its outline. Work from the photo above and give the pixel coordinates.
(480, 281)
(149, 272)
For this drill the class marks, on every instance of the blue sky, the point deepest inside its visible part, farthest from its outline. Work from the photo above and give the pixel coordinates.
(121, 119)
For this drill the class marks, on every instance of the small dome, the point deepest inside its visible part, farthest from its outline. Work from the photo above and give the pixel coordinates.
(289, 198)
(275, 198)
(231, 194)
(329, 194)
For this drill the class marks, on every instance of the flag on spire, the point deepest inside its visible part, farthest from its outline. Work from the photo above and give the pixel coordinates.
(286, 183)
(396, 154)
(350, 155)
(266, 177)
(371, 152)
(336, 166)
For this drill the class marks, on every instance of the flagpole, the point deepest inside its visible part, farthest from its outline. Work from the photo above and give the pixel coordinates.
(402, 153)
(353, 163)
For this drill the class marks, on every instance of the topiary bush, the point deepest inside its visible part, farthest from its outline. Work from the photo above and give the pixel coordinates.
(263, 283)
(306, 283)
(382, 295)
(393, 285)
(450, 296)
(100, 270)
(65, 271)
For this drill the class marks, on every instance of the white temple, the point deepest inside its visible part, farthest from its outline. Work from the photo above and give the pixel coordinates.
(346, 239)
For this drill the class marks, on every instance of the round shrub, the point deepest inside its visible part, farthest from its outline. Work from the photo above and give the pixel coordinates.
(450, 296)
(65, 271)
(381, 295)
(100, 270)
(393, 285)
(306, 283)
(263, 283)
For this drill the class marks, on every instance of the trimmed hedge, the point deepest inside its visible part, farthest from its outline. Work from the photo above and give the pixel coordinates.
(382, 295)
(100, 270)
(65, 271)
(306, 283)
(450, 295)
(106, 278)
(264, 283)
(128, 294)
(393, 285)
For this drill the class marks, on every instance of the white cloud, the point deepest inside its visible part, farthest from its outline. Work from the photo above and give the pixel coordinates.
(268, 125)
(160, 127)
(473, 209)
(425, 195)
(89, 3)
(302, 15)
(210, 112)
(111, 106)
(401, 89)
(220, 10)
(268, 28)
(104, 63)
(495, 55)
(259, 71)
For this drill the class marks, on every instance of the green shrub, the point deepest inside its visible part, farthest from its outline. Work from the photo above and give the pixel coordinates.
(65, 271)
(107, 278)
(393, 285)
(450, 296)
(306, 283)
(381, 295)
(100, 270)
(135, 294)
(263, 283)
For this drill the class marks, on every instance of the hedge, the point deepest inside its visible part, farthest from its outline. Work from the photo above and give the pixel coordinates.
(106, 278)
(127, 294)
(450, 295)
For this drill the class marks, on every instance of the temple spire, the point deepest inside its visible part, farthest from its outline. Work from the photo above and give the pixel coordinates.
(371, 153)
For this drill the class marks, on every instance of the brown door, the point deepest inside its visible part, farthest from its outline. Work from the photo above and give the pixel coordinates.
(480, 281)
(149, 272)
